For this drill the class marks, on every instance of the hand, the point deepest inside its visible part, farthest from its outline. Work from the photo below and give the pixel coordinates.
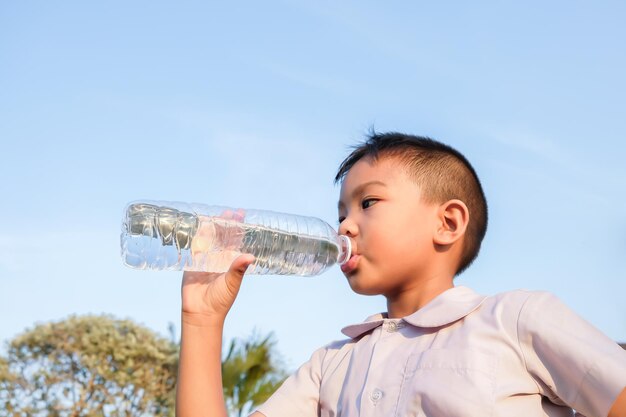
(207, 297)
(218, 229)
(218, 240)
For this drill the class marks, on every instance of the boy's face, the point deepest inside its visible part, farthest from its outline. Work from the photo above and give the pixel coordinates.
(391, 228)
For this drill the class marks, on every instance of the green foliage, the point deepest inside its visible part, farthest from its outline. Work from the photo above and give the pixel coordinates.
(88, 366)
(91, 366)
(250, 373)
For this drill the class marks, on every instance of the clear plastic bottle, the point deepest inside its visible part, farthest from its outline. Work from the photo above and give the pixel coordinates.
(196, 237)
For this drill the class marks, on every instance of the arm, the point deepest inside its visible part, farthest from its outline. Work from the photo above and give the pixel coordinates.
(619, 406)
(206, 299)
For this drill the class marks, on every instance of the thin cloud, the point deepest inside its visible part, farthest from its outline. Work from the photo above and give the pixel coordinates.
(532, 143)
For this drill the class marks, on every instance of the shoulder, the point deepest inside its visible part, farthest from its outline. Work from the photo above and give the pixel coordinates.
(519, 312)
(549, 332)
(522, 301)
(330, 353)
(512, 304)
(518, 296)
(537, 310)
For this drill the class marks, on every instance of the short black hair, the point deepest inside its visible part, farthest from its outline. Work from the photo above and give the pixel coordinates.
(441, 171)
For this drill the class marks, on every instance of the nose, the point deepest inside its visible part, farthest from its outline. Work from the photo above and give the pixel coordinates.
(348, 227)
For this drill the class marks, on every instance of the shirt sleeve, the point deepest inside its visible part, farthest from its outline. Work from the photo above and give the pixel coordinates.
(299, 394)
(573, 363)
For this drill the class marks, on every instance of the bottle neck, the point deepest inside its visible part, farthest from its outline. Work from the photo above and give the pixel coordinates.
(345, 249)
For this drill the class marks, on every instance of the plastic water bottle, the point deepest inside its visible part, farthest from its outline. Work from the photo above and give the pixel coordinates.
(197, 237)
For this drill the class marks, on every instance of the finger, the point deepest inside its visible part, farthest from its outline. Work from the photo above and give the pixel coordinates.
(193, 277)
(239, 215)
(236, 271)
(227, 214)
(241, 264)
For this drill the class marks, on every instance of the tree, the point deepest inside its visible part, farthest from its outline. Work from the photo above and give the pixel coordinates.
(99, 366)
(88, 366)
(251, 372)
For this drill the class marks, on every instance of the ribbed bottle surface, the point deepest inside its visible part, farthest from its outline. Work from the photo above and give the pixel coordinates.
(195, 237)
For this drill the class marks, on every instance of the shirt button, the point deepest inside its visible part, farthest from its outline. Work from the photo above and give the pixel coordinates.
(376, 395)
(392, 327)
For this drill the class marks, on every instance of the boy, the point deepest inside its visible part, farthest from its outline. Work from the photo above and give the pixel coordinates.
(415, 212)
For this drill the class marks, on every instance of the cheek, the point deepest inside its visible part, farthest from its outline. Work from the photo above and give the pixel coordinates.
(393, 238)
(409, 246)
(382, 241)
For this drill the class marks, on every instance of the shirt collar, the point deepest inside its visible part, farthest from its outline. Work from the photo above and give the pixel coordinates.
(448, 307)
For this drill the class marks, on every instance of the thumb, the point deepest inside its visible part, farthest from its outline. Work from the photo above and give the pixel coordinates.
(237, 269)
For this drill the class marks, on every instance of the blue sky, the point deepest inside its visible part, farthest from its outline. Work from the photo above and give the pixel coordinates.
(254, 105)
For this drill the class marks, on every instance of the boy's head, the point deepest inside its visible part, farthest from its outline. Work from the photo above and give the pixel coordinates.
(441, 172)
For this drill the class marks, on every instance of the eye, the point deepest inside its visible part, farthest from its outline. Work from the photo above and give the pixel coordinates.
(368, 202)
(341, 218)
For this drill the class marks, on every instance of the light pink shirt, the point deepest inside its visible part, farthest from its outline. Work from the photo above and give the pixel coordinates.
(518, 353)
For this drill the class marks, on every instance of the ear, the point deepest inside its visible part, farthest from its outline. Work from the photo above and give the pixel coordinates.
(453, 216)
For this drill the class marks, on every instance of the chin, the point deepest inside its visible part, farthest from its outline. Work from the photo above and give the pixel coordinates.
(361, 288)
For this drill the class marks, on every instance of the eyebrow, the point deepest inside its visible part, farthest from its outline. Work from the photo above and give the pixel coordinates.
(359, 189)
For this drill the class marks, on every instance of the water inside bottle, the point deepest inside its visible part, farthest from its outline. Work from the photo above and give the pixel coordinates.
(219, 241)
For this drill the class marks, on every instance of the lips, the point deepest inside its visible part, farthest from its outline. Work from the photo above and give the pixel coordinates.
(350, 266)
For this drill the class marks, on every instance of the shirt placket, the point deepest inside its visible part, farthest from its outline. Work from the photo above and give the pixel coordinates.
(379, 398)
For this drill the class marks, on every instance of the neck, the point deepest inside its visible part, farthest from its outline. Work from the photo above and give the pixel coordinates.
(409, 300)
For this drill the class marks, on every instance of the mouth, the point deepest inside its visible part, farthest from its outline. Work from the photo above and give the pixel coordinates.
(350, 266)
